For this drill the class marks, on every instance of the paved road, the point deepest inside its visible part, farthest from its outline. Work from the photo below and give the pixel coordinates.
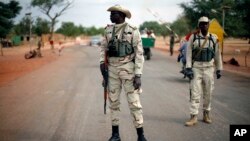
(63, 101)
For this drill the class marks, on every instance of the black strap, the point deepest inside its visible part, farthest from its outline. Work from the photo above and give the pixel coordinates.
(199, 37)
(113, 33)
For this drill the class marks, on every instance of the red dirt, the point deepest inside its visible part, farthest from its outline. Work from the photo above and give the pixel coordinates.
(13, 64)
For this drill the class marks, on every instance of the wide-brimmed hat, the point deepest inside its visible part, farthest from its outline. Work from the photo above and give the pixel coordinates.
(121, 9)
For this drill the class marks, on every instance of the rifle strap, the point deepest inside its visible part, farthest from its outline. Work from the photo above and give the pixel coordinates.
(203, 44)
(114, 32)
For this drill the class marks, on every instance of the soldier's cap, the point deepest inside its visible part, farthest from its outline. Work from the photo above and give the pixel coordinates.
(203, 19)
(121, 9)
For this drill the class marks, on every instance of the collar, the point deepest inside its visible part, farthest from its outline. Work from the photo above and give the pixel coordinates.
(119, 25)
(200, 34)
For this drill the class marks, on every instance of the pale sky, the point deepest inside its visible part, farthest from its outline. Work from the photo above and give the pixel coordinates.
(94, 12)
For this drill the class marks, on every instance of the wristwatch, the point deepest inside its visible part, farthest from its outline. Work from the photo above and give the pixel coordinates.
(138, 75)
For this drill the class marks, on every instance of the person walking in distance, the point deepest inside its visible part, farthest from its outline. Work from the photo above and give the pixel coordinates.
(39, 45)
(60, 48)
(124, 51)
(203, 57)
(171, 41)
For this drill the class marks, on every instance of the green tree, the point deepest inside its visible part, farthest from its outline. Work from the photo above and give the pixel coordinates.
(243, 10)
(151, 25)
(23, 27)
(42, 26)
(197, 8)
(69, 29)
(94, 31)
(180, 26)
(8, 12)
(48, 7)
(236, 14)
(82, 29)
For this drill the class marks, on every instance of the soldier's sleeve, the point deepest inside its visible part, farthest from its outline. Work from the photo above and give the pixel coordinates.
(217, 57)
(103, 48)
(189, 52)
(139, 58)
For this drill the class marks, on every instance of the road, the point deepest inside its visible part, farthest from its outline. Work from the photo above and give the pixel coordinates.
(63, 101)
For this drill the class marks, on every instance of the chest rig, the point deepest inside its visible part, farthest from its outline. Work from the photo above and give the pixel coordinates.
(119, 47)
(201, 53)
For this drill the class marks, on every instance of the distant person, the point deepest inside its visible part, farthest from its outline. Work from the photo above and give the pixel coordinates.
(52, 45)
(203, 57)
(123, 50)
(60, 48)
(171, 41)
(144, 34)
(182, 56)
(151, 34)
(38, 50)
(147, 50)
(182, 53)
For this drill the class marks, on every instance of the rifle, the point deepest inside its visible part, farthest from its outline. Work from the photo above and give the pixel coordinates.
(190, 90)
(105, 80)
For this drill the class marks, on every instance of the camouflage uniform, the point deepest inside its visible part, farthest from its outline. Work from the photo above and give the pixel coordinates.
(203, 81)
(122, 71)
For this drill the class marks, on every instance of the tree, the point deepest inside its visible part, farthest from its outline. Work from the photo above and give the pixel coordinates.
(152, 25)
(23, 27)
(47, 6)
(197, 8)
(180, 26)
(237, 13)
(41, 26)
(8, 12)
(242, 8)
(69, 29)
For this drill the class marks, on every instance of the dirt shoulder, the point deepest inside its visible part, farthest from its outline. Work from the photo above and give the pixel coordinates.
(13, 64)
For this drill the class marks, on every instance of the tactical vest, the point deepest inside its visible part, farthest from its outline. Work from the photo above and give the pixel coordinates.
(118, 47)
(202, 54)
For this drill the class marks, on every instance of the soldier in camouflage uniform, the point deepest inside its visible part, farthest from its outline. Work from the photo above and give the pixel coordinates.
(125, 63)
(203, 57)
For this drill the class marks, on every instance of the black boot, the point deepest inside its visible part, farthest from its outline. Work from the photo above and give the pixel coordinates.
(115, 134)
(140, 134)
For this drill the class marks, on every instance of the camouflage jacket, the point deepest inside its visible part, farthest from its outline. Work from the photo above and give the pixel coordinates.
(130, 34)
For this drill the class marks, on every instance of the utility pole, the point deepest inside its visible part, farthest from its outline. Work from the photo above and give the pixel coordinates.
(30, 27)
(223, 26)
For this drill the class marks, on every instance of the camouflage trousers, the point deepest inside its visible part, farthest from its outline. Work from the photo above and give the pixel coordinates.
(123, 76)
(202, 83)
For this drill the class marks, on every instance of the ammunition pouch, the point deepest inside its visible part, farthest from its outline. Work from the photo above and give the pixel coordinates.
(117, 48)
(203, 54)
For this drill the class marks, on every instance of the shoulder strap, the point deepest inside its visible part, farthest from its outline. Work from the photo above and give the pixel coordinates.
(212, 41)
(123, 29)
(113, 33)
(203, 44)
(194, 37)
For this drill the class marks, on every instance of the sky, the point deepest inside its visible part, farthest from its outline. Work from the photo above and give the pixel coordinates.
(94, 12)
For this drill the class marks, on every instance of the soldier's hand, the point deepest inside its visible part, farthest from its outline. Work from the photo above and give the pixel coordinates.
(189, 73)
(218, 74)
(137, 82)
